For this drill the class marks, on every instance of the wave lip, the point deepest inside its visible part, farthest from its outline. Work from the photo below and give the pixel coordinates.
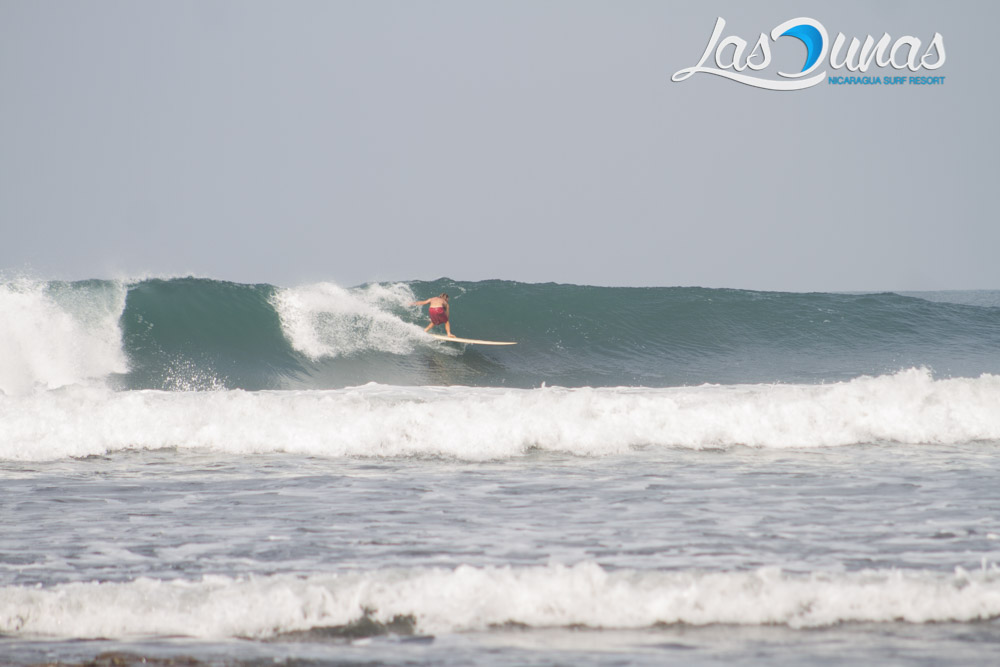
(492, 423)
(472, 598)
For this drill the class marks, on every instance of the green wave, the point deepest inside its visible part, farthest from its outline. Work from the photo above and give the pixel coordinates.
(196, 333)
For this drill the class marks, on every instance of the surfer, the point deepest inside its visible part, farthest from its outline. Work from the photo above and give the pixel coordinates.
(438, 311)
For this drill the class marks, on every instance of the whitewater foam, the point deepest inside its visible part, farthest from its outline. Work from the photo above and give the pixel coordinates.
(324, 320)
(490, 423)
(57, 334)
(471, 598)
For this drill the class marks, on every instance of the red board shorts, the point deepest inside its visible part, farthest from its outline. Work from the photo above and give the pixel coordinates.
(438, 316)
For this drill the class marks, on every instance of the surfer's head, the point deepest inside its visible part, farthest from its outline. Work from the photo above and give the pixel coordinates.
(444, 296)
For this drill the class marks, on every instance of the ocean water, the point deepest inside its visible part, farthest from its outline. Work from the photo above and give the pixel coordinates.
(250, 474)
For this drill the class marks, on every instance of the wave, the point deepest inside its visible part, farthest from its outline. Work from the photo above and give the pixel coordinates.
(191, 333)
(477, 424)
(437, 600)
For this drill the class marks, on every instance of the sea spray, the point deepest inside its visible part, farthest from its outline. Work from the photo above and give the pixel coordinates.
(326, 321)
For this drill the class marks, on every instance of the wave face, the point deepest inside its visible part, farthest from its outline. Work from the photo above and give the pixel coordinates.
(191, 334)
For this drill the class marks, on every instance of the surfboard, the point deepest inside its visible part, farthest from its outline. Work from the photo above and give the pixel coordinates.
(472, 340)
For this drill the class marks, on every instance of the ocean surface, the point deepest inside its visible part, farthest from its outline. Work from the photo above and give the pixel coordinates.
(235, 474)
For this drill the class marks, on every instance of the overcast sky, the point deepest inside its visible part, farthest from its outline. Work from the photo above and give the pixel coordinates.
(293, 142)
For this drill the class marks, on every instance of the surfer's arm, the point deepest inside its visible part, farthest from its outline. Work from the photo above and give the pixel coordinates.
(420, 303)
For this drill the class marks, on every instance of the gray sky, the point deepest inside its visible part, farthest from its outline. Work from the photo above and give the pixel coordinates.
(292, 142)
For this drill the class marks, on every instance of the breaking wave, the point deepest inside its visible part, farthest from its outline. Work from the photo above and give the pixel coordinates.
(437, 600)
(194, 334)
(469, 423)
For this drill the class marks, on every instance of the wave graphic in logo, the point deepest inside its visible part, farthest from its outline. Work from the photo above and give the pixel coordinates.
(811, 37)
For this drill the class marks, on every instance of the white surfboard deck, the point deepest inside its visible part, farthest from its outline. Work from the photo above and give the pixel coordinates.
(472, 340)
